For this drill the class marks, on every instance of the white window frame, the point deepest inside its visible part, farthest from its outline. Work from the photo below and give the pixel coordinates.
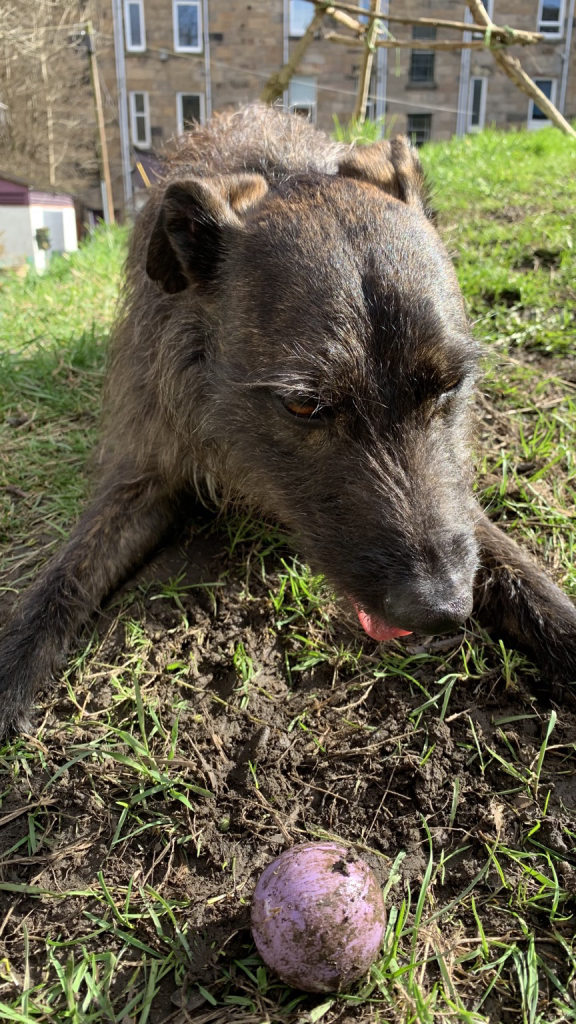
(312, 106)
(130, 47)
(187, 3)
(180, 113)
(133, 115)
(556, 28)
(477, 127)
(542, 122)
(291, 32)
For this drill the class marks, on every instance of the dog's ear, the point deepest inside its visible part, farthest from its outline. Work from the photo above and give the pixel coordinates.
(188, 238)
(393, 166)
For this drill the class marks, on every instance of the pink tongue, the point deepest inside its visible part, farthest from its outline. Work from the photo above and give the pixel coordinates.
(377, 628)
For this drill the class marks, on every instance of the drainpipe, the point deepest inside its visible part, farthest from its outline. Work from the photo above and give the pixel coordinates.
(566, 58)
(464, 89)
(382, 70)
(207, 71)
(122, 102)
(286, 44)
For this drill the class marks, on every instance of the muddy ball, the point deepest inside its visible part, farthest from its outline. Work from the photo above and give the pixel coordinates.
(318, 917)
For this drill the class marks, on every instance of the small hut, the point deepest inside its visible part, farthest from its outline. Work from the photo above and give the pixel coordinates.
(34, 223)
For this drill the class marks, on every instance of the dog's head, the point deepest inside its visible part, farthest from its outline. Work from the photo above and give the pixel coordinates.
(337, 372)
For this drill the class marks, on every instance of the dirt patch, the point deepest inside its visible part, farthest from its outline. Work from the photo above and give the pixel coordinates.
(284, 731)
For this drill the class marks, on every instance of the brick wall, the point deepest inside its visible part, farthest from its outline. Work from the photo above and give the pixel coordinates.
(246, 44)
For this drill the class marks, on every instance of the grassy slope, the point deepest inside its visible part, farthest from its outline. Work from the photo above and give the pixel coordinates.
(507, 214)
(505, 206)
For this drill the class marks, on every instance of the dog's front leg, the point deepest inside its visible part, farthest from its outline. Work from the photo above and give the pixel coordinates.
(516, 598)
(123, 523)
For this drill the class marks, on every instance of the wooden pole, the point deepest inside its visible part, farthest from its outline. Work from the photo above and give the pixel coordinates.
(333, 11)
(340, 17)
(104, 162)
(279, 81)
(366, 67)
(49, 120)
(408, 44)
(520, 35)
(512, 67)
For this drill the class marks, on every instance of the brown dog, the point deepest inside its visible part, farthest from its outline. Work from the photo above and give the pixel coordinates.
(293, 335)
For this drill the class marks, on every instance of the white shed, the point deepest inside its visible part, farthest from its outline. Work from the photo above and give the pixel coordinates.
(34, 224)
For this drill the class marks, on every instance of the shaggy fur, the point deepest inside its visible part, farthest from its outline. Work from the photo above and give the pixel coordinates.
(293, 337)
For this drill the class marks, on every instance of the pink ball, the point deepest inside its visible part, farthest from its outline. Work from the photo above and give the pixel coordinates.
(318, 917)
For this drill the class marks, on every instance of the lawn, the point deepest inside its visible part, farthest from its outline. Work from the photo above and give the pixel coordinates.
(222, 707)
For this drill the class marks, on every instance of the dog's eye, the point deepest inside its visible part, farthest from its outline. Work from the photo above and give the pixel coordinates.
(304, 407)
(449, 391)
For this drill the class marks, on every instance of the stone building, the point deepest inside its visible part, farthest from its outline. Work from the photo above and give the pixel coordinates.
(168, 62)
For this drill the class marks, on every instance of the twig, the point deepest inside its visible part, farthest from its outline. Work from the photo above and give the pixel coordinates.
(271, 810)
(23, 810)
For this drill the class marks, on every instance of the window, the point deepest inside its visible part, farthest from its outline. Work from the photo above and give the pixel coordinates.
(421, 68)
(551, 17)
(301, 14)
(187, 26)
(536, 117)
(302, 96)
(189, 109)
(134, 26)
(477, 104)
(140, 119)
(422, 61)
(423, 32)
(419, 128)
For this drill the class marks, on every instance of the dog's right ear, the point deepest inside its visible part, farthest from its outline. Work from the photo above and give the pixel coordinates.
(188, 238)
(393, 166)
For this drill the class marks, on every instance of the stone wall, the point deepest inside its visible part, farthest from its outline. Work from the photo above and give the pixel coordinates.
(246, 44)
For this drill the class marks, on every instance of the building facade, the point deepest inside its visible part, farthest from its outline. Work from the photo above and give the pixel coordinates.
(166, 63)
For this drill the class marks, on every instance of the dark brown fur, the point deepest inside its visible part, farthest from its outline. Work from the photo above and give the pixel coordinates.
(272, 269)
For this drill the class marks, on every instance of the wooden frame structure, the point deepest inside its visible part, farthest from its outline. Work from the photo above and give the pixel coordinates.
(372, 33)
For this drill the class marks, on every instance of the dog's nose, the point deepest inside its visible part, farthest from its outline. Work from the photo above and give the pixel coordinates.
(433, 613)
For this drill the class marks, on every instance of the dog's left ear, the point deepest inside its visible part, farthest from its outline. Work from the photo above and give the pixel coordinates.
(187, 241)
(393, 166)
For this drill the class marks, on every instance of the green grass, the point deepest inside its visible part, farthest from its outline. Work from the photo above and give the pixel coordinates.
(53, 335)
(457, 781)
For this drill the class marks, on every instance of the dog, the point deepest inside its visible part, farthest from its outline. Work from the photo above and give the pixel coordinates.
(293, 337)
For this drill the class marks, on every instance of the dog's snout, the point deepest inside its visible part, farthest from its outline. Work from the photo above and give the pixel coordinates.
(438, 609)
(441, 618)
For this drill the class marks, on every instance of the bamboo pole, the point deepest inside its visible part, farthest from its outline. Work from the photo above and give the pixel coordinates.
(104, 162)
(279, 81)
(366, 67)
(344, 19)
(520, 35)
(512, 67)
(408, 44)
(340, 17)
